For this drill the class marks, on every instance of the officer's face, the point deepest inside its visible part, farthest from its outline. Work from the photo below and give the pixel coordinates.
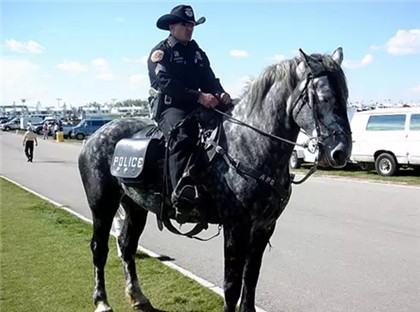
(182, 31)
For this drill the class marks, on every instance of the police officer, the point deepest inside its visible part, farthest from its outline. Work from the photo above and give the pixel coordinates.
(182, 79)
(29, 139)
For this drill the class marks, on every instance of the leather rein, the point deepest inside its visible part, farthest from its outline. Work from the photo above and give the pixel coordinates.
(313, 99)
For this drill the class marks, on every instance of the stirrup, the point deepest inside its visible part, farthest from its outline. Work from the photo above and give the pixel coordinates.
(187, 193)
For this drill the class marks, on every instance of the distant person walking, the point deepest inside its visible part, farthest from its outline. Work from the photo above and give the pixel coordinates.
(56, 128)
(45, 130)
(28, 142)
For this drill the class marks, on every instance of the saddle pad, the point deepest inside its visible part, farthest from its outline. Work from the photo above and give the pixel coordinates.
(130, 156)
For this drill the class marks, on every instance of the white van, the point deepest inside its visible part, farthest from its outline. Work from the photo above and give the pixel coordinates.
(386, 138)
(26, 121)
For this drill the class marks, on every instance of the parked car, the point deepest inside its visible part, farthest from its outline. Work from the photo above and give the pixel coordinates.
(387, 139)
(87, 127)
(303, 155)
(13, 124)
(39, 126)
(4, 119)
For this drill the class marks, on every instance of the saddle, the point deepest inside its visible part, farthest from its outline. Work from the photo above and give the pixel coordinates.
(142, 159)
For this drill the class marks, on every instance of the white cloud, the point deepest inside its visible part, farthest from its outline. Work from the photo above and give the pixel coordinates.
(238, 53)
(101, 66)
(24, 80)
(415, 89)
(72, 66)
(100, 62)
(22, 47)
(105, 76)
(120, 20)
(142, 60)
(375, 47)
(366, 60)
(276, 58)
(404, 42)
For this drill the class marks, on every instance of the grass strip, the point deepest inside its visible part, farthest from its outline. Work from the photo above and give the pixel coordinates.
(46, 264)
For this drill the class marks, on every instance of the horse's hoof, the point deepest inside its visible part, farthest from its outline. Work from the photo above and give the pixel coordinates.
(143, 307)
(103, 307)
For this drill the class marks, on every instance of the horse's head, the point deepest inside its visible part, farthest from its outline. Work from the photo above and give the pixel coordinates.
(319, 106)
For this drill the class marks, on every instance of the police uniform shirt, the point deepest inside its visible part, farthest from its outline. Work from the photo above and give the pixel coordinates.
(30, 136)
(179, 71)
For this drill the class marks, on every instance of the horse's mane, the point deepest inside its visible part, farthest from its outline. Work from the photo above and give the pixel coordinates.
(256, 90)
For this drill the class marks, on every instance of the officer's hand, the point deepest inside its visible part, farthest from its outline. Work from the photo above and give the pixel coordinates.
(225, 98)
(208, 100)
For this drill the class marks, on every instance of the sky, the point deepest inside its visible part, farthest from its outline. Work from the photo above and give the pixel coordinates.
(78, 52)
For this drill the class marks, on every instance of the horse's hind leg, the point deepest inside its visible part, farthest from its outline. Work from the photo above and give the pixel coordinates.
(103, 210)
(134, 223)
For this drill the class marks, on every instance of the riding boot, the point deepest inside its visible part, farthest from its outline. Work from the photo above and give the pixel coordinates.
(185, 197)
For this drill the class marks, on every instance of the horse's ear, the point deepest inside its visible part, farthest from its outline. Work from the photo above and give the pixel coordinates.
(337, 56)
(315, 66)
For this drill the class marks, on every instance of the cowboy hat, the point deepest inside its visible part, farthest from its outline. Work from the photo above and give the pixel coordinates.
(179, 14)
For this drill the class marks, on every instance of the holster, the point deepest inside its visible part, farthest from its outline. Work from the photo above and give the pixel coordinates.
(155, 104)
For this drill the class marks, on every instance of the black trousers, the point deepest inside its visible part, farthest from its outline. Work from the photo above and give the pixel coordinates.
(29, 149)
(182, 140)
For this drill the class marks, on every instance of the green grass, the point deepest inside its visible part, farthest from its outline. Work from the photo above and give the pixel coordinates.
(353, 171)
(46, 264)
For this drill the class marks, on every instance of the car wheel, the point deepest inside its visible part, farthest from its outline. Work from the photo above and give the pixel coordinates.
(386, 165)
(294, 161)
(7, 128)
(80, 136)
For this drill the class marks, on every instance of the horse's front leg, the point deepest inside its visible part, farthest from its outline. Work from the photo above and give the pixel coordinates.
(236, 235)
(134, 224)
(258, 242)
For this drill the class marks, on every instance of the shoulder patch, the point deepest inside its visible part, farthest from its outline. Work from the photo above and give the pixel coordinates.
(157, 56)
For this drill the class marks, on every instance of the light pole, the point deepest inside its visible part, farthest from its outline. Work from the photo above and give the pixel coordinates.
(23, 106)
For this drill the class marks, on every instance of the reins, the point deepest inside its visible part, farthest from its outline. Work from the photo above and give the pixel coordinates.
(314, 167)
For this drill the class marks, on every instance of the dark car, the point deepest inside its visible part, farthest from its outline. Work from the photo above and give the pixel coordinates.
(38, 127)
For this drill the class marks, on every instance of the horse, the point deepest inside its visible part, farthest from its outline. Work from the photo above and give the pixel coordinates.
(307, 92)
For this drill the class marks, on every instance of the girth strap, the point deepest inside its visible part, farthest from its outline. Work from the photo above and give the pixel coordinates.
(194, 231)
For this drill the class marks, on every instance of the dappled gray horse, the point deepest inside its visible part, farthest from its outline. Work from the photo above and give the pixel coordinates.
(306, 92)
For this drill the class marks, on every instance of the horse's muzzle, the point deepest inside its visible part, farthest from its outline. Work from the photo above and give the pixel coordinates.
(335, 153)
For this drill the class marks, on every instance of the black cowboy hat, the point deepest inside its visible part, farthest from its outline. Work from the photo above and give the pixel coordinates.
(179, 14)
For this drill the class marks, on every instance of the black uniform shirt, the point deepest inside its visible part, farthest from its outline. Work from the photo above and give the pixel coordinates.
(179, 72)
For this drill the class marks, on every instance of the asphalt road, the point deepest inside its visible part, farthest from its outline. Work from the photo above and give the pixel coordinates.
(341, 245)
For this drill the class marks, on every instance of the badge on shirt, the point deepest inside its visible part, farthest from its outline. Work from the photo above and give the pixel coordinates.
(198, 56)
(156, 56)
